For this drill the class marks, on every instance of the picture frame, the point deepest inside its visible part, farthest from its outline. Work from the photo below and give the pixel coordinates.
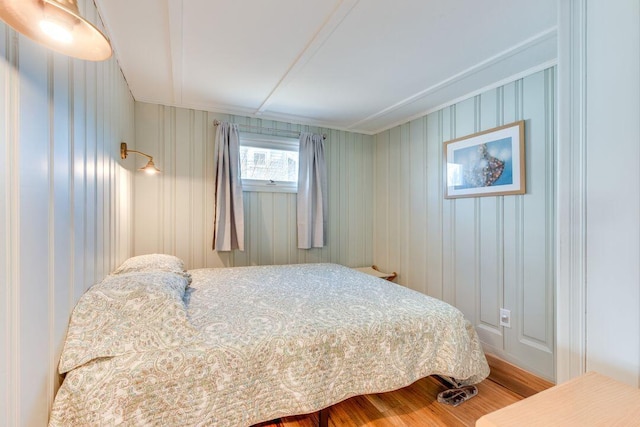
(487, 163)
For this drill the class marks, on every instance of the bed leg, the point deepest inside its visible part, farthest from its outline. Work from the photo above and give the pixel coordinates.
(323, 418)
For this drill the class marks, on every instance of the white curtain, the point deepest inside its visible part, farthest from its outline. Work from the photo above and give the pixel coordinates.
(312, 192)
(228, 226)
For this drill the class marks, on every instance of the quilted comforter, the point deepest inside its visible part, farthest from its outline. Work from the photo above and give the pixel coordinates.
(258, 343)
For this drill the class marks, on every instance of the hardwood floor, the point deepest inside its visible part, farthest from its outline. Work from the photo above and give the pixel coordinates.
(413, 406)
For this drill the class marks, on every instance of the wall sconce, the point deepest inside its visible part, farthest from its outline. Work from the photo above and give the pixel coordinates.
(149, 168)
(58, 25)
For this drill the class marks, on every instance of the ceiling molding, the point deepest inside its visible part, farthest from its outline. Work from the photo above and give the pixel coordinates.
(466, 96)
(522, 47)
(247, 112)
(333, 21)
(221, 109)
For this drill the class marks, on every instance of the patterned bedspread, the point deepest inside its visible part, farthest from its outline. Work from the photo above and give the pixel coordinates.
(276, 341)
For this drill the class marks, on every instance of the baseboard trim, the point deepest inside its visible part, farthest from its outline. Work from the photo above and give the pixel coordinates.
(514, 378)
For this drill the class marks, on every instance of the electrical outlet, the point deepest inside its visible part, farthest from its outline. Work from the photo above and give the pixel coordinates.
(505, 317)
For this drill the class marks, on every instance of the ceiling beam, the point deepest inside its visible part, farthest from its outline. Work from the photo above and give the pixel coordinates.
(174, 9)
(333, 21)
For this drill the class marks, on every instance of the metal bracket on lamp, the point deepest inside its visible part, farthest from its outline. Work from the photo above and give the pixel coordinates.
(149, 168)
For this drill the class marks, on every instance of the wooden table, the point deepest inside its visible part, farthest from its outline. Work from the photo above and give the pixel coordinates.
(589, 400)
(375, 271)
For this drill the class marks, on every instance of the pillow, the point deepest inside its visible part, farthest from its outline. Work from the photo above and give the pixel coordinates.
(128, 313)
(154, 262)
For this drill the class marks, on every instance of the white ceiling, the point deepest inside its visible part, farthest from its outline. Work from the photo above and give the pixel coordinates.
(358, 65)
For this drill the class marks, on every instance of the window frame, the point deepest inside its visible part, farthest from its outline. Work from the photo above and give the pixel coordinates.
(269, 142)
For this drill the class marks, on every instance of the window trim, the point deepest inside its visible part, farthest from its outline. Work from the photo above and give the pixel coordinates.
(269, 142)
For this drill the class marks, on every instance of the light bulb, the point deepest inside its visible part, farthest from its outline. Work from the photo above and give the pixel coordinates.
(150, 168)
(56, 31)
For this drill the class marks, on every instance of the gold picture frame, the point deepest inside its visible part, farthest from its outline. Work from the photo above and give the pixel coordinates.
(487, 163)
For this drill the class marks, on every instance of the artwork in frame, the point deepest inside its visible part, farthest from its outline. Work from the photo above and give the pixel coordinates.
(488, 163)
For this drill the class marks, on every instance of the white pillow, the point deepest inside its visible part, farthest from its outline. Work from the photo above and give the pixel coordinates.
(154, 262)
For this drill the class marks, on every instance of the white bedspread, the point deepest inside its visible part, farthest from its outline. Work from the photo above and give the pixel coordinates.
(276, 341)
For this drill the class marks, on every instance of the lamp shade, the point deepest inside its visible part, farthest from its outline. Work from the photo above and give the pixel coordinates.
(150, 168)
(56, 24)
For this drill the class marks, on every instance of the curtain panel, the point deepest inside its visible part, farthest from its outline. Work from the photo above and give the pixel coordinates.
(228, 227)
(312, 192)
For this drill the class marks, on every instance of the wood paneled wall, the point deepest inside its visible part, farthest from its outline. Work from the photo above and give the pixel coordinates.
(174, 211)
(65, 207)
(479, 254)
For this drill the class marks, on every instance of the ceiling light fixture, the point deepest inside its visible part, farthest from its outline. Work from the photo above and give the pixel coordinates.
(150, 168)
(58, 25)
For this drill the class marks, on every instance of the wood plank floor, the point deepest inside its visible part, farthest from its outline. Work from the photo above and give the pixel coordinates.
(413, 406)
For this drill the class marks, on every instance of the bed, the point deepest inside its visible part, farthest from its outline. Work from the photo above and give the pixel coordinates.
(238, 346)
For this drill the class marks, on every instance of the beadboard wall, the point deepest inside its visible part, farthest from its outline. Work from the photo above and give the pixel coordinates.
(65, 206)
(174, 210)
(479, 254)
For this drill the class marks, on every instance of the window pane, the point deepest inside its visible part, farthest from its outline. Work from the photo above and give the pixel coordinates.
(269, 164)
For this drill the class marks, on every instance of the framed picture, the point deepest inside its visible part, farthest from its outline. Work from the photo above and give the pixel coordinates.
(489, 163)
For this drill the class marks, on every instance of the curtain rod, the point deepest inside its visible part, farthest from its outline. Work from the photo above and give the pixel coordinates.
(297, 133)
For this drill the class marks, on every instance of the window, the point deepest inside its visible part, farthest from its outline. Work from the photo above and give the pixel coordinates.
(259, 158)
(268, 163)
